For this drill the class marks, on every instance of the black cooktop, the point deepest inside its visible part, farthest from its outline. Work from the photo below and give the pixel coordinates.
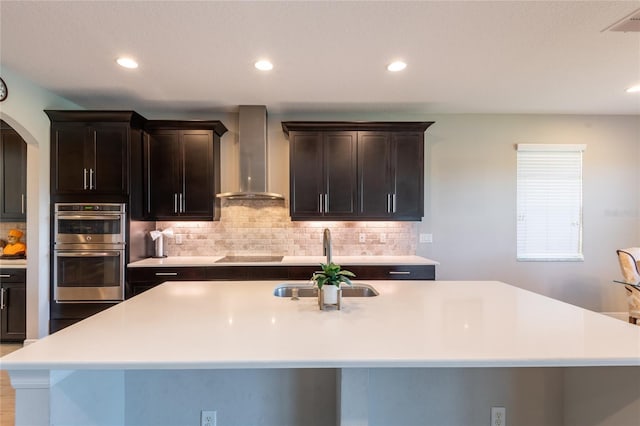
(248, 259)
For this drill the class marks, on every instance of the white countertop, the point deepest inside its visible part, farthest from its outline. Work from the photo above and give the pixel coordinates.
(176, 261)
(13, 263)
(240, 324)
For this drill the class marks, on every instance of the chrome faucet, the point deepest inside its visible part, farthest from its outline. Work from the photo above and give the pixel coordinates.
(326, 244)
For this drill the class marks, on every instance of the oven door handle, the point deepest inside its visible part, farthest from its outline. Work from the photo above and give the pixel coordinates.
(89, 254)
(89, 217)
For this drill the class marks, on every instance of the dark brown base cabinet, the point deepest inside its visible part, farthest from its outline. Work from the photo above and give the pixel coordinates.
(356, 170)
(142, 279)
(13, 172)
(182, 170)
(13, 305)
(66, 314)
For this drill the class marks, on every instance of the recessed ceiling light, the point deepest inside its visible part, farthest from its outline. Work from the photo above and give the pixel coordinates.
(127, 62)
(634, 89)
(264, 65)
(396, 66)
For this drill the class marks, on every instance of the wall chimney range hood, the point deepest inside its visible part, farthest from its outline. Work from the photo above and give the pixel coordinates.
(252, 139)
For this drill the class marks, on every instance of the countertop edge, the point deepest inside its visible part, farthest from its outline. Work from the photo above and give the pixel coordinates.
(212, 261)
(257, 365)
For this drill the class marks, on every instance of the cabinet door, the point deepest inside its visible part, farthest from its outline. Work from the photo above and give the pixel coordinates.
(408, 166)
(107, 161)
(306, 171)
(14, 312)
(161, 152)
(13, 172)
(69, 172)
(196, 185)
(340, 174)
(374, 174)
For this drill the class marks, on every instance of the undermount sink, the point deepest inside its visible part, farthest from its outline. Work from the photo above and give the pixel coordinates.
(356, 290)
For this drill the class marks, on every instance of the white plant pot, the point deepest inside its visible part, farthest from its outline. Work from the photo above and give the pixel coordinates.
(330, 294)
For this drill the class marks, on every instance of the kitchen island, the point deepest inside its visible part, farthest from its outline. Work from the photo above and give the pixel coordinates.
(208, 338)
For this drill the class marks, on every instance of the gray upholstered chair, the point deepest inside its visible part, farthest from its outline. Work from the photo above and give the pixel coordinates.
(629, 259)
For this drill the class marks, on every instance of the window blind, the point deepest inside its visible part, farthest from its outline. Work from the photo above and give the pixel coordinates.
(549, 202)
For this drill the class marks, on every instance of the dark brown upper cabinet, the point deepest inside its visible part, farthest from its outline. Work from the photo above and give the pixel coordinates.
(375, 169)
(391, 175)
(182, 170)
(13, 172)
(90, 153)
(323, 178)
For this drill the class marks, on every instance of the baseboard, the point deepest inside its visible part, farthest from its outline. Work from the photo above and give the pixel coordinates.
(27, 342)
(623, 316)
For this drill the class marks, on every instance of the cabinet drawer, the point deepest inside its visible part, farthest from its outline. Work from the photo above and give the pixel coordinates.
(303, 272)
(158, 275)
(393, 272)
(13, 275)
(243, 273)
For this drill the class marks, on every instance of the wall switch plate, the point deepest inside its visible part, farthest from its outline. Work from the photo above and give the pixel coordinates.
(363, 237)
(383, 237)
(178, 238)
(498, 416)
(426, 238)
(208, 418)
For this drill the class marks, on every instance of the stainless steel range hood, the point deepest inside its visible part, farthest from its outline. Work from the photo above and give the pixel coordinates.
(252, 138)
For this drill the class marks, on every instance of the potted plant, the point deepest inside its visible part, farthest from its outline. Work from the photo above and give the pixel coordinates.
(328, 281)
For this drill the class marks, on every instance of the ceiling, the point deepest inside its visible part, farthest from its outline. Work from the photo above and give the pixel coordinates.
(463, 57)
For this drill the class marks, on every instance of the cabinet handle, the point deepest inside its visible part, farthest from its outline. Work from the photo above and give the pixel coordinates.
(393, 203)
(5, 275)
(388, 203)
(2, 292)
(326, 203)
(22, 202)
(84, 179)
(320, 204)
(181, 204)
(92, 184)
(166, 274)
(175, 202)
(399, 272)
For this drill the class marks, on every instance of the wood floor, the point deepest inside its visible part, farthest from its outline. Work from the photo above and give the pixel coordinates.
(7, 394)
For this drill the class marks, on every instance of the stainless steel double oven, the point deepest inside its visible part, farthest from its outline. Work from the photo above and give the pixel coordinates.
(89, 252)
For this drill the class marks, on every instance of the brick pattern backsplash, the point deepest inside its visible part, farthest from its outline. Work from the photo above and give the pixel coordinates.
(263, 227)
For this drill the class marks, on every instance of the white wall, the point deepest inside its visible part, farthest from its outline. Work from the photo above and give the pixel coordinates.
(23, 110)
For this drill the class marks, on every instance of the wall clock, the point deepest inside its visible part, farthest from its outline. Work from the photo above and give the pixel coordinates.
(3, 90)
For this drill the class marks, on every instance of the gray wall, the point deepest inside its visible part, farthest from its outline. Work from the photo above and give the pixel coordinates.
(470, 196)
(23, 110)
(471, 202)
(575, 396)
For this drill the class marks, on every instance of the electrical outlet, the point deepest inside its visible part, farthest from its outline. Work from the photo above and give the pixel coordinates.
(178, 238)
(498, 416)
(426, 238)
(208, 418)
(363, 237)
(383, 237)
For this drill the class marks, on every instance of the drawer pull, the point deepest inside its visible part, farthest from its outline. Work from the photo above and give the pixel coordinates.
(166, 274)
(5, 275)
(399, 272)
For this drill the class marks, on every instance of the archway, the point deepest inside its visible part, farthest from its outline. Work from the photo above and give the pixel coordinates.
(37, 237)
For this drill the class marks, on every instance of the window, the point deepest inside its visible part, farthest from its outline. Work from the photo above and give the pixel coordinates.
(549, 202)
